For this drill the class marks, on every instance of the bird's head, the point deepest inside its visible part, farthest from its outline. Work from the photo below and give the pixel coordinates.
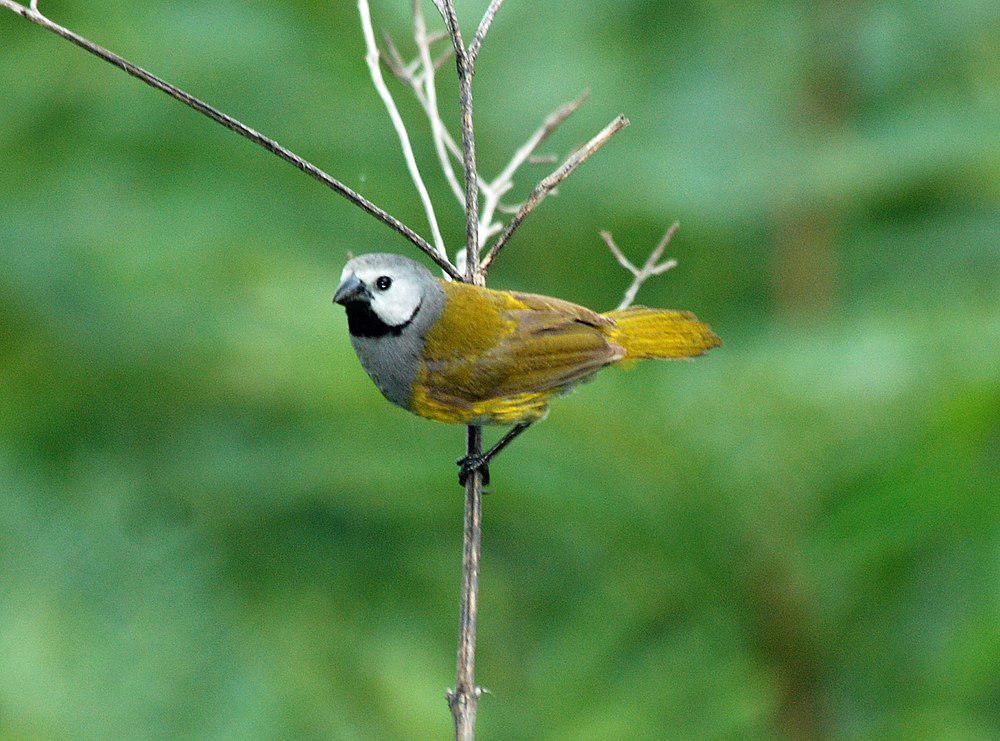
(382, 293)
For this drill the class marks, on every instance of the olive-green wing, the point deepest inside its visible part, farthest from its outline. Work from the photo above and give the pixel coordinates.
(512, 344)
(548, 350)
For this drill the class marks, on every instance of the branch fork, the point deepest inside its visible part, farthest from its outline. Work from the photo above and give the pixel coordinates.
(649, 268)
(419, 76)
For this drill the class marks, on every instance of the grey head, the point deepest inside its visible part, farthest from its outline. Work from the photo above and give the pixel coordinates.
(391, 302)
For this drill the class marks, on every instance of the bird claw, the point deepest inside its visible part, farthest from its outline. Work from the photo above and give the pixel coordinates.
(471, 463)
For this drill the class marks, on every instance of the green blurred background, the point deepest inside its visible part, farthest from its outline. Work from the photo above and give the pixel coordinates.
(211, 524)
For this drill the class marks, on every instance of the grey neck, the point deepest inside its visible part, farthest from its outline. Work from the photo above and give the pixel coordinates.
(392, 359)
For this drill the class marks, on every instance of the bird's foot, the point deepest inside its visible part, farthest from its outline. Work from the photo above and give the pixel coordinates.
(471, 463)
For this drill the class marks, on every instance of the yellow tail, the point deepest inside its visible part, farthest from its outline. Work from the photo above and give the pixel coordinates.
(660, 333)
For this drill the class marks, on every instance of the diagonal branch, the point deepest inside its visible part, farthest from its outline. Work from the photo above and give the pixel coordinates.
(551, 123)
(31, 14)
(418, 76)
(547, 185)
(392, 58)
(372, 58)
(504, 180)
(484, 27)
(650, 268)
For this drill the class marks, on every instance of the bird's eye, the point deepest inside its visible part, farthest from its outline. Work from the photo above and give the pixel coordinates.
(383, 283)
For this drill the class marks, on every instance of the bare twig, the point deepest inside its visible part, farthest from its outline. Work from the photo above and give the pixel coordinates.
(466, 69)
(650, 268)
(372, 58)
(393, 59)
(543, 159)
(510, 210)
(437, 36)
(552, 122)
(438, 130)
(442, 58)
(464, 699)
(407, 75)
(550, 183)
(484, 27)
(503, 182)
(423, 87)
(31, 14)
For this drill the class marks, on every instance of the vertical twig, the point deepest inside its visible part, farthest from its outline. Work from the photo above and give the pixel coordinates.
(464, 700)
(465, 67)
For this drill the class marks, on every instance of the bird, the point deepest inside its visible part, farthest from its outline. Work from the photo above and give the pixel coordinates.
(459, 353)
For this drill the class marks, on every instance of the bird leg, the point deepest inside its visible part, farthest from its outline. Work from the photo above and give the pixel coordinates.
(471, 463)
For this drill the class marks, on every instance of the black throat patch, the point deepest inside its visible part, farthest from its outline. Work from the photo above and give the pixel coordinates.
(362, 321)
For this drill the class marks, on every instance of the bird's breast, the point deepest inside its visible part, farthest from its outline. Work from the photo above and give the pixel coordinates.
(392, 362)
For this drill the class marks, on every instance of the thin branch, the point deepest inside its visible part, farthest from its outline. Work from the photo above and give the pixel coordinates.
(443, 57)
(466, 69)
(650, 268)
(31, 14)
(547, 185)
(372, 57)
(437, 36)
(423, 87)
(543, 159)
(618, 254)
(503, 182)
(464, 700)
(484, 27)
(453, 147)
(509, 210)
(492, 191)
(392, 58)
(406, 73)
(438, 130)
(552, 122)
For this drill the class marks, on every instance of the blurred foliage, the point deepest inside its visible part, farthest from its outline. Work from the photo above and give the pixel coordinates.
(212, 526)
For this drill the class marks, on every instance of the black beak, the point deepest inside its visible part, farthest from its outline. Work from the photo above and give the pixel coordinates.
(352, 289)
